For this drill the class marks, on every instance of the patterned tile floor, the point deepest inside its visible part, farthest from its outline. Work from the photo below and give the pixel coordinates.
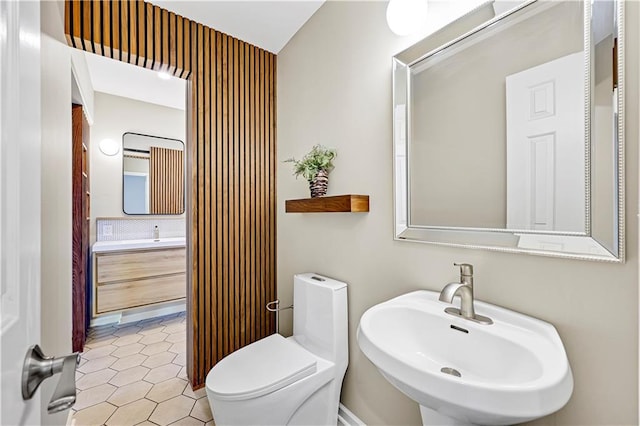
(135, 374)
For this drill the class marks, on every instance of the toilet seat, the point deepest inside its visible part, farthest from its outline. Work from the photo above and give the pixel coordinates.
(264, 366)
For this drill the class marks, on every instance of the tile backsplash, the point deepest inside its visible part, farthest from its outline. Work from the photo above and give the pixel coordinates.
(112, 229)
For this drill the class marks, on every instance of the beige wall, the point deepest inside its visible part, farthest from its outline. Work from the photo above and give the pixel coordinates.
(56, 196)
(115, 116)
(447, 123)
(334, 87)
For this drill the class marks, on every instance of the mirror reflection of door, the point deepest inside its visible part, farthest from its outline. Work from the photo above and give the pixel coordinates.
(153, 175)
(545, 147)
(135, 194)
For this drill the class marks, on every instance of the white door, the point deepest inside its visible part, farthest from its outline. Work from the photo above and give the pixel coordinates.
(19, 203)
(545, 147)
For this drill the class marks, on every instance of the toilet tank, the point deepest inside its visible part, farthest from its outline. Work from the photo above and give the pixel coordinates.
(320, 316)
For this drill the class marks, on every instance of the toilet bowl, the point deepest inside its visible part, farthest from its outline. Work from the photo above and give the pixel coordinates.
(294, 380)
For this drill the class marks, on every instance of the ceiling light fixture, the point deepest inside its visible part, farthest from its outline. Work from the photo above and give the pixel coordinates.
(164, 75)
(109, 147)
(404, 17)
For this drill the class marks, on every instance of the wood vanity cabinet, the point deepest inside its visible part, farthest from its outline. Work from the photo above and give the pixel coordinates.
(131, 279)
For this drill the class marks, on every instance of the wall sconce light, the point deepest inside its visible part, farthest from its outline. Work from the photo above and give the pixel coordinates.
(405, 16)
(109, 147)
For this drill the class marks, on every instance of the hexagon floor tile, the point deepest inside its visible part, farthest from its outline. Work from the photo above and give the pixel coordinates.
(153, 338)
(97, 364)
(188, 421)
(166, 390)
(201, 410)
(159, 359)
(129, 393)
(134, 374)
(162, 373)
(156, 348)
(128, 362)
(130, 375)
(132, 414)
(127, 340)
(95, 415)
(93, 396)
(127, 350)
(94, 379)
(172, 410)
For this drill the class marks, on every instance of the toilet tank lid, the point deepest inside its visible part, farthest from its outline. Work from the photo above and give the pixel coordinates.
(260, 368)
(312, 277)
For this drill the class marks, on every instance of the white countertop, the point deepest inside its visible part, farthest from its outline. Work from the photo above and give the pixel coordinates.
(105, 246)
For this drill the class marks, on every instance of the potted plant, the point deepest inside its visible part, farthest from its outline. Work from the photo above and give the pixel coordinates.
(315, 167)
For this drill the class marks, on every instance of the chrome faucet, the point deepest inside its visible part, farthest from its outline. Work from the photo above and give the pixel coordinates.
(464, 289)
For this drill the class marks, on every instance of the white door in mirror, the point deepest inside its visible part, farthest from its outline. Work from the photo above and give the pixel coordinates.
(545, 147)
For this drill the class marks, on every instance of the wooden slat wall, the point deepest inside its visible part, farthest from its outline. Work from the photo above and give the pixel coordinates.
(166, 174)
(230, 163)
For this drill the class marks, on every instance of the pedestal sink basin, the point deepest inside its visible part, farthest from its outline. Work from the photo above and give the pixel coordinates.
(461, 372)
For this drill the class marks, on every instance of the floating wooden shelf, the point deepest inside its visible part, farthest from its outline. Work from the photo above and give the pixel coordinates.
(334, 204)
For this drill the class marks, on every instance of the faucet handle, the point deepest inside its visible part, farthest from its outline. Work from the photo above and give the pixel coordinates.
(466, 269)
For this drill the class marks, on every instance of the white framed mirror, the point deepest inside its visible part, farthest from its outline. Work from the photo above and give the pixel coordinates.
(509, 132)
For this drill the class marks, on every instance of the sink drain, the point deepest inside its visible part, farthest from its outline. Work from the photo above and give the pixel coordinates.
(452, 371)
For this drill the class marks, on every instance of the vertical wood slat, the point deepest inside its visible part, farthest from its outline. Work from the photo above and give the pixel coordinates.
(125, 51)
(166, 181)
(132, 32)
(171, 44)
(179, 46)
(242, 190)
(115, 30)
(186, 50)
(253, 224)
(231, 157)
(150, 30)
(235, 172)
(231, 174)
(193, 326)
(209, 336)
(157, 38)
(107, 38)
(97, 26)
(219, 118)
(87, 25)
(141, 35)
(261, 179)
(199, 313)
(68, 24)
(164, 57)
(225, 194)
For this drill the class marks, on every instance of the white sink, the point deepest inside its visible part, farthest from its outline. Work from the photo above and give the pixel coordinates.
(105, 246)
(461, 372)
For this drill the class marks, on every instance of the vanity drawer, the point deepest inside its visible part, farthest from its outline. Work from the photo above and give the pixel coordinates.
(134, 293)
(125, 266)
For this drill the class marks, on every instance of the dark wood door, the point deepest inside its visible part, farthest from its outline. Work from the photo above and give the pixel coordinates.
(81, 217)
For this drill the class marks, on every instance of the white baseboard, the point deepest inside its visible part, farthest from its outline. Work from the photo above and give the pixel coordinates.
(104, 320)
(347, 418)
(137, 316)
(133, 316)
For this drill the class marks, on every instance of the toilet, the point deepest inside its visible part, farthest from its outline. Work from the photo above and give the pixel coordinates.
(294, 380)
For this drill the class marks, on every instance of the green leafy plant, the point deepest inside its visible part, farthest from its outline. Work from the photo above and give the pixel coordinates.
(319, 158)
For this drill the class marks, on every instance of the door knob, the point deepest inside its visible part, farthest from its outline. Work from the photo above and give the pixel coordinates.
(38, 367)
